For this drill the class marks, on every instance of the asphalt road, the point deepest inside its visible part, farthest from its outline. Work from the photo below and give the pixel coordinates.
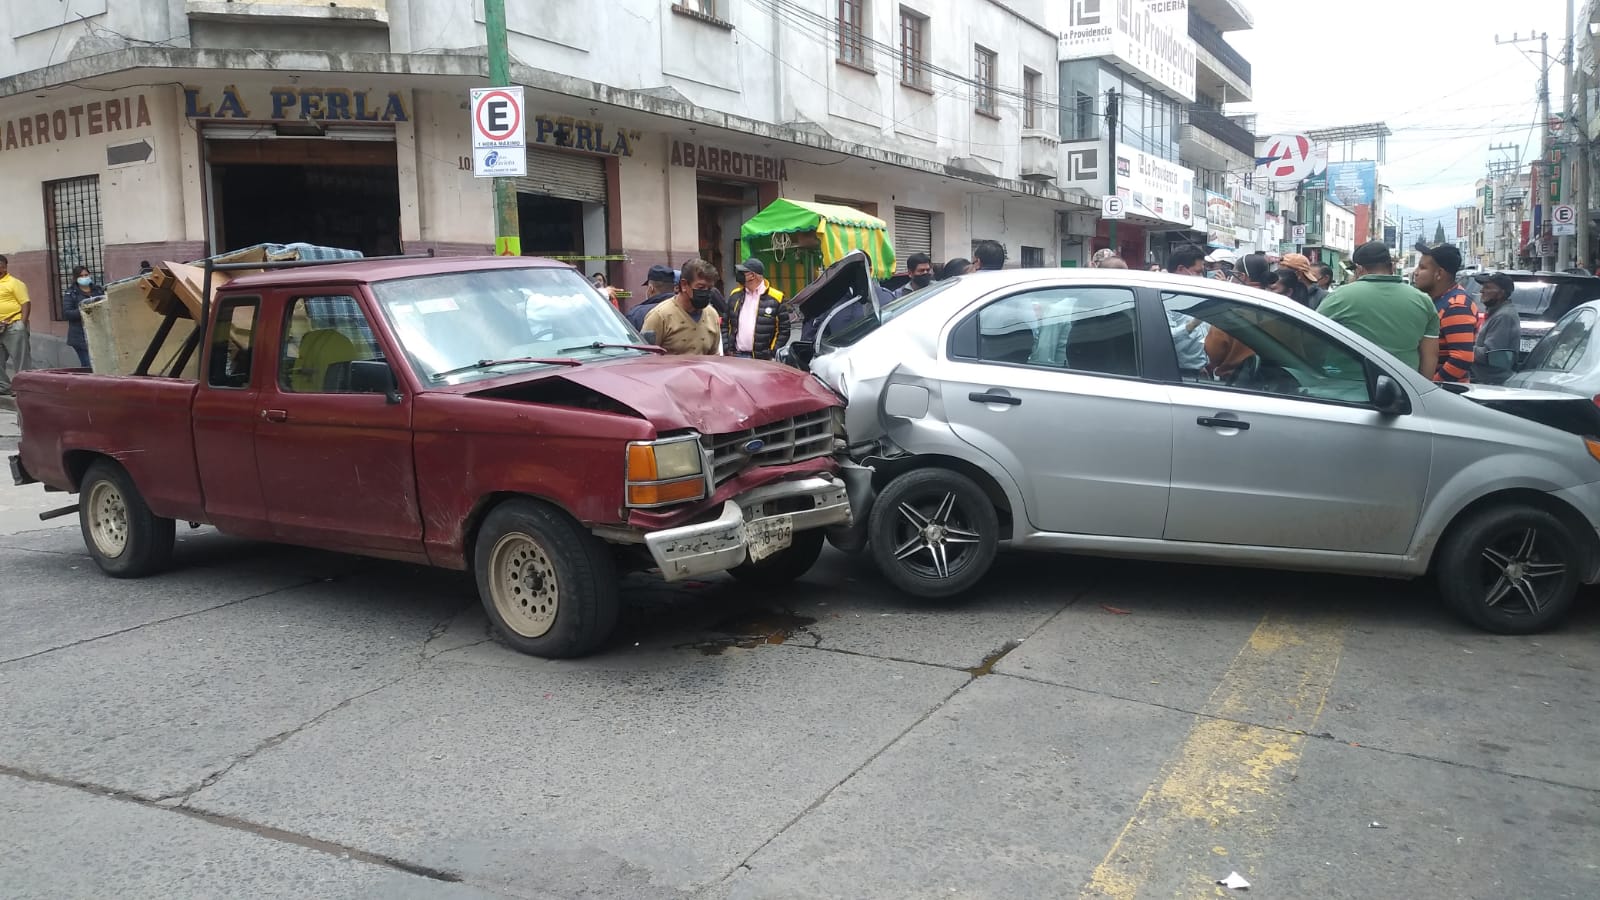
(274, 722)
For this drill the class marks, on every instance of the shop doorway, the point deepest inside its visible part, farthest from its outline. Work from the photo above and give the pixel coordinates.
(321, 191)
(561, 204)
(724, 207)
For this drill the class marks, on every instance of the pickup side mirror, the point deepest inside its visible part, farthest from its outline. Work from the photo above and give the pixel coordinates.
(363, 376)
(1389, 398)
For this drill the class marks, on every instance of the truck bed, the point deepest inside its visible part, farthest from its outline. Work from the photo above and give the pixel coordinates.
(70, 417)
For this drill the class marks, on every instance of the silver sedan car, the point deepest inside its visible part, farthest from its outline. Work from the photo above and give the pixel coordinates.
(1566, 358)
(1160, 417)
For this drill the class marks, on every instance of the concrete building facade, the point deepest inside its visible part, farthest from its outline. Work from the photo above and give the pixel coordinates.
(149, 131)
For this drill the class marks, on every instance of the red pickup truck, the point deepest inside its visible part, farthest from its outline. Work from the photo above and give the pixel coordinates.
(491, 414)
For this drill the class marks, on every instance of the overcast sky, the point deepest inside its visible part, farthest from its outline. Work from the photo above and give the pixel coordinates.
(1430, 69)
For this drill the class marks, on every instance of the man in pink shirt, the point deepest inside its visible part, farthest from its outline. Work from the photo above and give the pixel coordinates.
(757, 323)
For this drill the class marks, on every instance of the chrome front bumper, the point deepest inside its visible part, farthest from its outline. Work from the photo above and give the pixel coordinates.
(719, 545)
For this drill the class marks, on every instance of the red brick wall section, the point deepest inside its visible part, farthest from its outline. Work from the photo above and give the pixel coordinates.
(122, 260)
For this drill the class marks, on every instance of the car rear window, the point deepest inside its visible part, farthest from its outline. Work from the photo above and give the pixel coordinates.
(1531, 297)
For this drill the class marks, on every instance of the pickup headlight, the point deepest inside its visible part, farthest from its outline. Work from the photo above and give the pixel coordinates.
(661, 473)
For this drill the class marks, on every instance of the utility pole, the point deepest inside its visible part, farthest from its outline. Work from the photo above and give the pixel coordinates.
(1111, 161)
(1540, 204)
(1564, 253)
(507, 229)
(1580, 169)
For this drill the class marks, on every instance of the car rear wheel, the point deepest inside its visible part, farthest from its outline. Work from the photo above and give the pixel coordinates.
(125, 538)
(786, 565)
(549, 587)
(933, 533)
(1511, 570)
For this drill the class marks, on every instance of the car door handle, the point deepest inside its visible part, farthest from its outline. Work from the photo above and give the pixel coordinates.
(1216, 422)
(992, 397)
(275, 415)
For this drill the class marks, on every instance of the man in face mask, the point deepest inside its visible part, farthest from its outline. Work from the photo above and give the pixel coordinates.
(686, 325)
(758, 322)
(921, 269)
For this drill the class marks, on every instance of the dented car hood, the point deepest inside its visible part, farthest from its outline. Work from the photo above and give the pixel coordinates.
(709, 394)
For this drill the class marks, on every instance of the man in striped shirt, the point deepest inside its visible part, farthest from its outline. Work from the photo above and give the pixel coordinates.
(1458, 315)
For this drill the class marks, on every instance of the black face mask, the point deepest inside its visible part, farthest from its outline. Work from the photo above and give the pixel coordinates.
(922, 281)
(701, 298)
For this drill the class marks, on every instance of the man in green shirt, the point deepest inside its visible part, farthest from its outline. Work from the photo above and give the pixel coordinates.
(1382, 308)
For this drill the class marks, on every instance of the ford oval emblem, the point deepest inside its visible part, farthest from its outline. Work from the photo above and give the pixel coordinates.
(754, 446)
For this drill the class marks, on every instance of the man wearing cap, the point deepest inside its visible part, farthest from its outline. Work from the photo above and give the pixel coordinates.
(1495, 353)
(686, 324)
(661, 282)
(1458, 316)
(1382, 308)
(757, 323)
(1300, 265)
(1220, 264)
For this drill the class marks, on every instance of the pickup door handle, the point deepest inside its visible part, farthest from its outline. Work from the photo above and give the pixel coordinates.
(1217, 422)
(275, 415)
(992, 397)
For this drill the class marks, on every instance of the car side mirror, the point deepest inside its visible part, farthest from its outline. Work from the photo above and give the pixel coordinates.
(1389, 398)
(801, 353)
(372, 376)
(648, 336)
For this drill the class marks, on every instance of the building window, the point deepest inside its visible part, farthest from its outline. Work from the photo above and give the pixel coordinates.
(1033, 257)
(1030, 98)
(983, 66)
(73, 227)
(1083, 114)
(852, 36)
(709, 11)
(703, 7)
(913, 49)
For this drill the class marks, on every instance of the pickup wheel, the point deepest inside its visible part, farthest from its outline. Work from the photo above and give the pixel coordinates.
(125, 538)
(549, 587)
(933, 533)
(785, 566)
(1511, 570)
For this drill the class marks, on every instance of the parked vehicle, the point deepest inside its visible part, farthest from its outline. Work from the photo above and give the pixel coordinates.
(1565, 359)
(1049, 411)
(494, 415)
(1542, 298)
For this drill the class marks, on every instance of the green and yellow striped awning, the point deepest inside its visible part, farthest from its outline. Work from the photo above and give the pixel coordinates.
(838, 230)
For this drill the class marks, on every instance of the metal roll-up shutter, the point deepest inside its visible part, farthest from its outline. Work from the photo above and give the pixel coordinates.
(913, 233)
(569, 176)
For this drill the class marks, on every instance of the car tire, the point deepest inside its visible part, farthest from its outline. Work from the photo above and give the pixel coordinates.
(1511, 570)
(785, 566)
(124, 537)
(962, 518)
(549, 587)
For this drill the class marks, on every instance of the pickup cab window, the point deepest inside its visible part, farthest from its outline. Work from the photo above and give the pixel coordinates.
(465, 326)
(232, 338)
(321, 337)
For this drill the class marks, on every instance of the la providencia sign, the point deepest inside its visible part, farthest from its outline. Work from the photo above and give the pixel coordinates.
(1150, 36)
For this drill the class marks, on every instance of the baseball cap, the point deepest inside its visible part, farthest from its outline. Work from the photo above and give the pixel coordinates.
(1446, 256)
(1299, 263)
(663, 274)
(1221, 255)
(1497, 278)
(1372, 254)
(752, 265)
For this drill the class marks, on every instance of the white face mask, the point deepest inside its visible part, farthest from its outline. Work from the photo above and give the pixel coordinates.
(85, 282)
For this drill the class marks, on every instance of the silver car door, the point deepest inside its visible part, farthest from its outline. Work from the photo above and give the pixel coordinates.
(1045, 382)
(1277, 442)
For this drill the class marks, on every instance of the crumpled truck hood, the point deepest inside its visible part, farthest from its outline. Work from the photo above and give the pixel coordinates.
(709, 394)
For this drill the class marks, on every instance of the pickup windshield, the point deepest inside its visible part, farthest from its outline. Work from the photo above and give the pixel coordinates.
(515, 319)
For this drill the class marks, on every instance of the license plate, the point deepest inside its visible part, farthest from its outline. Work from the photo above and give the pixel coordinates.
(767, 536)
(1528, 344)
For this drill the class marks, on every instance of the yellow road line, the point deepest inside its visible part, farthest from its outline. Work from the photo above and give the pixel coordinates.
(1215, 801)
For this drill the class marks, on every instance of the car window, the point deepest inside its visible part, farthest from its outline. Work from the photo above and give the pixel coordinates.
(1233, 344)
(1532, 298)
(233, 334)
(1084, 329)
(1563, 347)
(321, 337)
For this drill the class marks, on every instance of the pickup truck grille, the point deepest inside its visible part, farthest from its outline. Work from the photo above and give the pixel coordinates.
(781, 443)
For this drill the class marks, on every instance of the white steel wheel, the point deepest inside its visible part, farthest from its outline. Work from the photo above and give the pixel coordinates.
(108, 519)
(524, 585)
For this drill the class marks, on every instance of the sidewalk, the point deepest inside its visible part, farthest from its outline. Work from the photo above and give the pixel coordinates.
(20, 506)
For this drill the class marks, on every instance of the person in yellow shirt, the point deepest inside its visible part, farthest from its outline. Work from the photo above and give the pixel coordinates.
(13, 327)
(685, 324)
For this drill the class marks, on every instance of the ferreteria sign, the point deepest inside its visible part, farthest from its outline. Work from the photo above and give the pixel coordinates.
(65, 123)
(1151, 36)
(295, 103)
(717, 161)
